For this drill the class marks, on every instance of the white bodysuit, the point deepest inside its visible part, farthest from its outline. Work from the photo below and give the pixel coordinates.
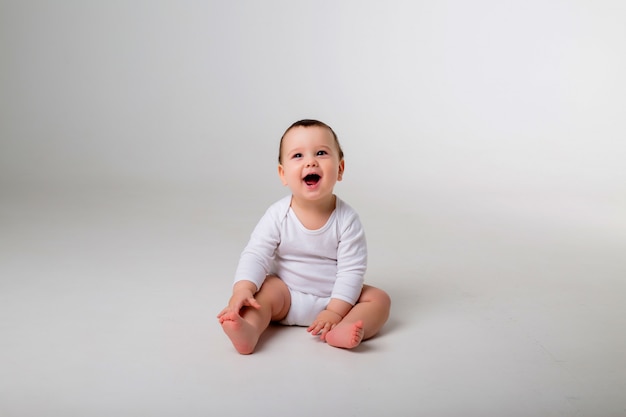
(329, 262)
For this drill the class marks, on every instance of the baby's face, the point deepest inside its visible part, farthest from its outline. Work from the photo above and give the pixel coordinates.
(310, 162)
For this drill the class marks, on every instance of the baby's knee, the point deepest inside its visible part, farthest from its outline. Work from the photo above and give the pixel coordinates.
(276, 292)
(383, 297)
(376, 294)
(272, 281)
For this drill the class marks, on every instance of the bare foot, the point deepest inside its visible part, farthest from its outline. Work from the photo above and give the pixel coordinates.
(346, 335)
(241, 333)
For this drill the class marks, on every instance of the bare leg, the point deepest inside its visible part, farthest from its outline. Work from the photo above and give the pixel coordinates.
(363, 321)
(244, 329)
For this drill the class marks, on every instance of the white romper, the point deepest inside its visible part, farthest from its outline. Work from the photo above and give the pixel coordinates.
(329, 262)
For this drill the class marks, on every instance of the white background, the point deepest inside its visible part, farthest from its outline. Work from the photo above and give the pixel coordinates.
(484, 146)
(460, 96)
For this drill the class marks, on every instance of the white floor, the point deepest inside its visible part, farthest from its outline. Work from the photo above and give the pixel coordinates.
(504, 308)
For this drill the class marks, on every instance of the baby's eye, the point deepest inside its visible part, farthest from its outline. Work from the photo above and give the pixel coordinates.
(319, 153)
(296, 155)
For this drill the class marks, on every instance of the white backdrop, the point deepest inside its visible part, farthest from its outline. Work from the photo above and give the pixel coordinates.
(484, 146)
(460, 97)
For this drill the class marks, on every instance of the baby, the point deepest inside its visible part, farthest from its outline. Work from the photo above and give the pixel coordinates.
(305, 261)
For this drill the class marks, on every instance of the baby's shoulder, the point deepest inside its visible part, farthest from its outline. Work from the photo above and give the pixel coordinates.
(344, 209)
(279, 208)
(346, 216)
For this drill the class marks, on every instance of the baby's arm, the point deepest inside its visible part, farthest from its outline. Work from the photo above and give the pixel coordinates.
(324, 322)
(351, 266)
(254, 263)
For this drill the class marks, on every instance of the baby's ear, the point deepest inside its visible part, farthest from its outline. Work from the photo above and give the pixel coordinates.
(281, 174)
(342, 166)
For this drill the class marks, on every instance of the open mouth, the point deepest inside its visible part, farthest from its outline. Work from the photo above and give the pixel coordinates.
(312, 179)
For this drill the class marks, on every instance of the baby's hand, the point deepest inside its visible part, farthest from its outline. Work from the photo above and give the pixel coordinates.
(324, 323)
(238, 300)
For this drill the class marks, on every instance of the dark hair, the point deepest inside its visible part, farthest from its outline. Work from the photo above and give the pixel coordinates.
(308, 123)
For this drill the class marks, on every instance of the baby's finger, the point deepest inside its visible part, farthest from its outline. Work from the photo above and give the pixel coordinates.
(252, 302)
(327, 327)
(324, 333)
(315, 328)
(322, 328)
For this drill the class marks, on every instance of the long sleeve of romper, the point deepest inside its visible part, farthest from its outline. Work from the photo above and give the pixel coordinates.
(351, 261)
(257, 257)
